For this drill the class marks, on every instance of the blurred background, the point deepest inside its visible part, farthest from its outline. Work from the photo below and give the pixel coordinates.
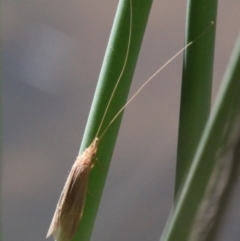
(52, 54)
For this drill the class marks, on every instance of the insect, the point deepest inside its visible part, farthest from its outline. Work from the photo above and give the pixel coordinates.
(71, 204)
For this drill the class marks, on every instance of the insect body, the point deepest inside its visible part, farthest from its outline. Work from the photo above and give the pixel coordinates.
(70, 206)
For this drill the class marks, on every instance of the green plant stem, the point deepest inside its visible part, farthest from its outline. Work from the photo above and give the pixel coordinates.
(231, 102)
(196, 82)
(219, 142)
(111, 68)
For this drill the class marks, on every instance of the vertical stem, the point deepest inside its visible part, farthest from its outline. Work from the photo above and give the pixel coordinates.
(196, 83)
(219, 144)
(111, 69)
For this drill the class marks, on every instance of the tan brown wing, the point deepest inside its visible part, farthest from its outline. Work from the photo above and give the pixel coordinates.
(71, 203)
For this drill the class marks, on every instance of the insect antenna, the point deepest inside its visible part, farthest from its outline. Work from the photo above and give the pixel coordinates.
(150, 78)
(140, 89)
(122, 71)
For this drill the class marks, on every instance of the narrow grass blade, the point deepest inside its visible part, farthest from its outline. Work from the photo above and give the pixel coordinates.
(111, 68)
(196, 82)
(218, 146)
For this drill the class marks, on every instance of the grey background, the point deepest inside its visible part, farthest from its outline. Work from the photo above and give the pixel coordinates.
(52, 55)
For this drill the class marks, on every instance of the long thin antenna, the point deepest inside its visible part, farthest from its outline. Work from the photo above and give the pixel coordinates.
(140, 89)
(159, 70)
(122, 71)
